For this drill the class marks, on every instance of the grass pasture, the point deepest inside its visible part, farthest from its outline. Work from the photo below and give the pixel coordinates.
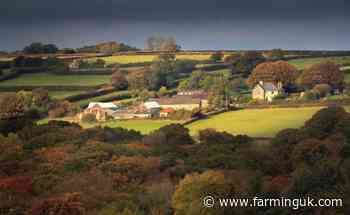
(48, 79)
(307, 62)
(256, 122)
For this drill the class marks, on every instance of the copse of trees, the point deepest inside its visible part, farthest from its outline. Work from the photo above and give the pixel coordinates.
(245, 62)
(40, 48)
(279, 71)
(217, 56)
(138, 79)
(118, 80)
(326, 72)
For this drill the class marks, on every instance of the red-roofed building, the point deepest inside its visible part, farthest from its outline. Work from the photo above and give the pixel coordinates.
(165, 112)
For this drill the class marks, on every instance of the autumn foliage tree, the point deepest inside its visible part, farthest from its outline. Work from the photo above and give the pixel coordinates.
(137, 79)
(279, 71)
(245, 62)
(325, 72)
(68, 204)
(119, 80)
(189, 194)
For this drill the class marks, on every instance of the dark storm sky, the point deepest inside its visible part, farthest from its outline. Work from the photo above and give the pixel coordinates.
(196, 24)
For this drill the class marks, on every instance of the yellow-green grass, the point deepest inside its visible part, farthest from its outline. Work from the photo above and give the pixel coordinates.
(307, 62)
(48, 79)
(256, 122)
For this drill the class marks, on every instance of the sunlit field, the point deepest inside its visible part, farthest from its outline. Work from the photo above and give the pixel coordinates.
(256, 122)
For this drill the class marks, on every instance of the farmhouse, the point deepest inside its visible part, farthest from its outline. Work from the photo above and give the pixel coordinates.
(267, 91)
(75, 64)
(102, 111)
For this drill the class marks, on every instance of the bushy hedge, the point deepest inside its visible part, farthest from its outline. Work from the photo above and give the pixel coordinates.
(90, 94)
(214, 67)
(5, 64)
(11, 75)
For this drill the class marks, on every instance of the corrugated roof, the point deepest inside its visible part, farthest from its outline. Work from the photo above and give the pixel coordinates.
(151, 104)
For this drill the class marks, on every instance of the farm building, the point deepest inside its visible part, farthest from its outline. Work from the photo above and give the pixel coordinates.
(130, 114)
(267, 91)
(179, 102)
(75, 64)
(164, 113)
(104, 105)
(102, 111)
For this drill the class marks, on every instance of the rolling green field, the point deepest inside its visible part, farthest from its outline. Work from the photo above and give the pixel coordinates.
(304, 63)
(256, 122)
(47, 79)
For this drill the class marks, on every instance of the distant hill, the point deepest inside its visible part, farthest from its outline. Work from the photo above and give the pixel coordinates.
(107, 47)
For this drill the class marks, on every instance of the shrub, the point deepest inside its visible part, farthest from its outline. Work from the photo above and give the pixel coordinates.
(174, 134)
(89, 118)
(327, 121)
(189, 194)
(326, 72)
(309, 95)
(63, 108)
(322, 90)
(181, 114)
(119, 80)
(218, 56)
(211, 136)
(69, 204)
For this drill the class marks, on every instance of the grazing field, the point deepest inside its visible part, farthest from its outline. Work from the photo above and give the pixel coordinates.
(256, 122)
(48, 79)
(304, 63)
(125, 59)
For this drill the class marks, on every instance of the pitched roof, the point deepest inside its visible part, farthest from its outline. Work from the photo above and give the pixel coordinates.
(167, 110)
(104, 105)
(151, 104)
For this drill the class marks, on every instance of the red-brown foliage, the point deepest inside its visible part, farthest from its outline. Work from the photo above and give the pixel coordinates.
(17, 184)
(279, 71)
(69, 204)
